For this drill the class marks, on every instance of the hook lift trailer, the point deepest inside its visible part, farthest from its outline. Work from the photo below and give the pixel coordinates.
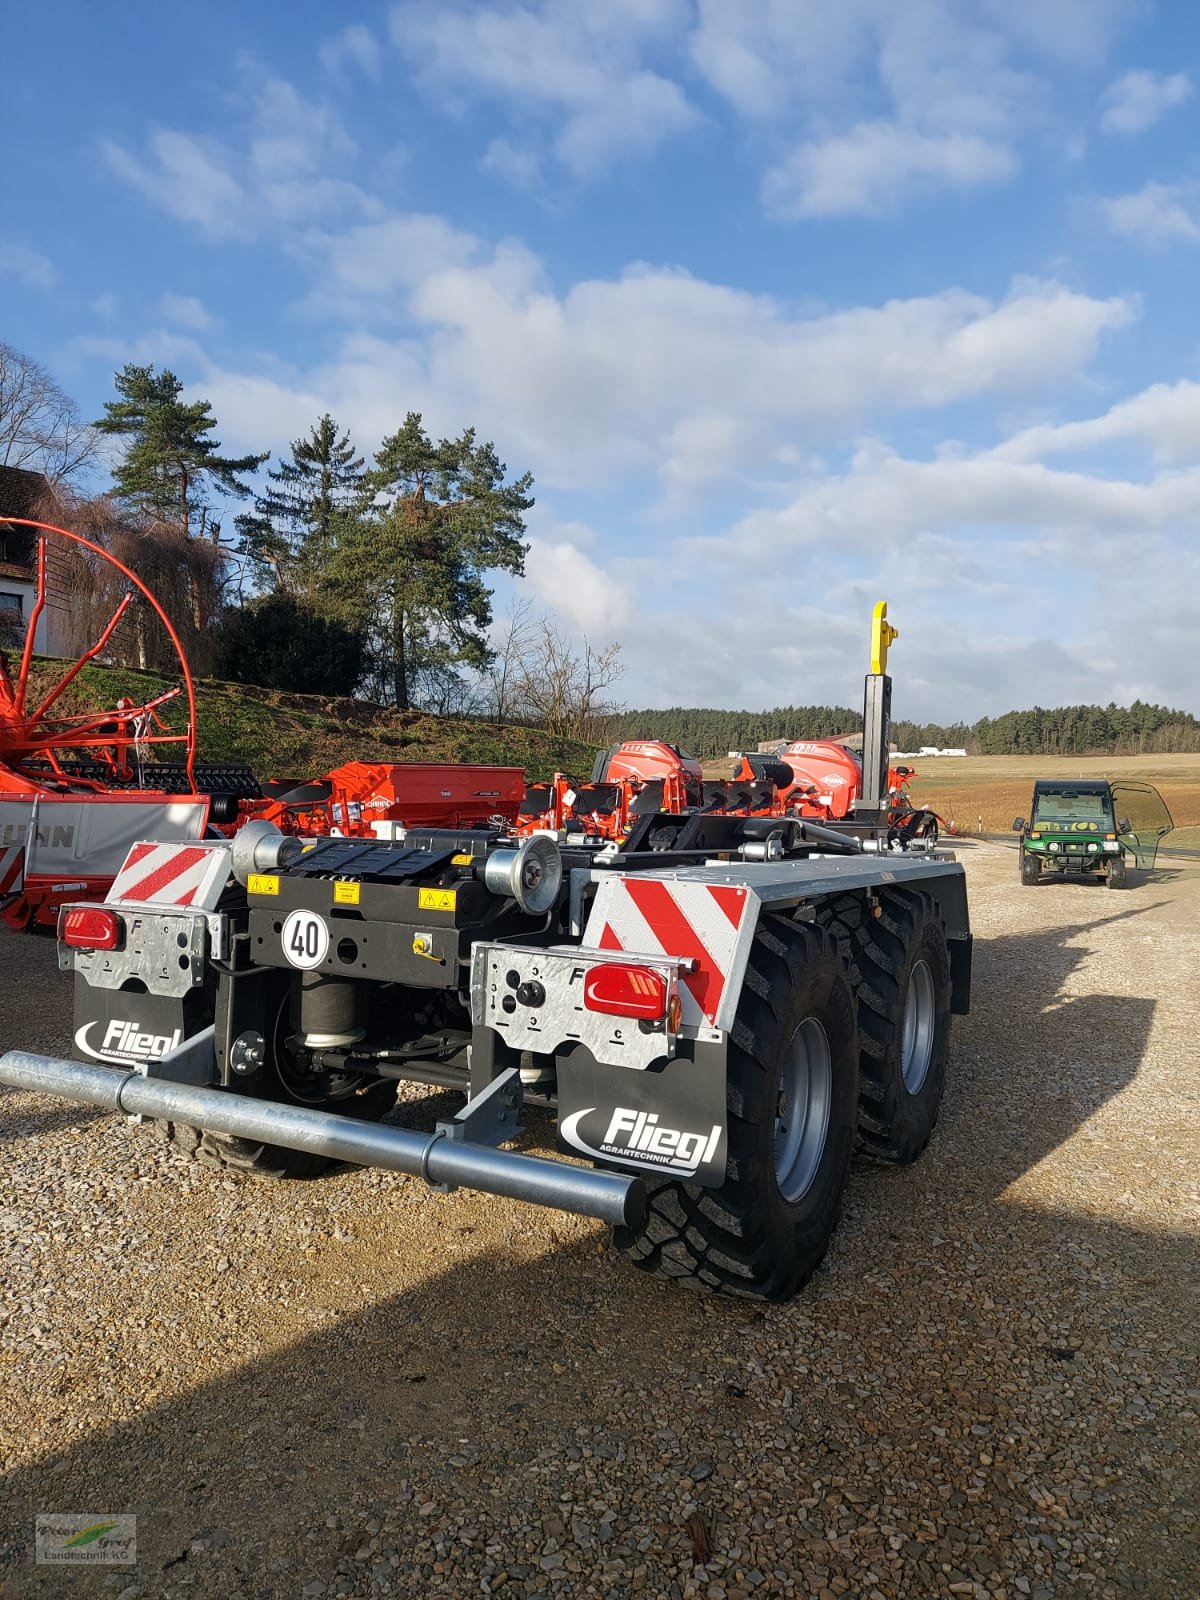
(720, 1009)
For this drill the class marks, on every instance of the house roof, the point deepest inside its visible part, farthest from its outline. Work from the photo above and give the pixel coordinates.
(21, 491)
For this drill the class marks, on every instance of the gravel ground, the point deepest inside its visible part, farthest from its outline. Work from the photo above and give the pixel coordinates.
(358, 1387)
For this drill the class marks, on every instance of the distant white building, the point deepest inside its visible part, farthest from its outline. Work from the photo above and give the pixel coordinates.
(925, 750)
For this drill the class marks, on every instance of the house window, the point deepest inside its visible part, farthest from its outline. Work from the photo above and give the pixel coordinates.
(12, 607)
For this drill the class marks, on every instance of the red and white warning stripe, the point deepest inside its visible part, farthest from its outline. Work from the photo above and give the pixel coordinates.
(12, 870)
(709, 924)
(172, 875)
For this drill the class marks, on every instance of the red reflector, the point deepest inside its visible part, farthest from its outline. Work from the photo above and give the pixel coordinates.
(622, 991)
(90, 928)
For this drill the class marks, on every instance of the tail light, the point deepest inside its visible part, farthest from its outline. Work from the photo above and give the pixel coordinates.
(90, 928)
(618, 990)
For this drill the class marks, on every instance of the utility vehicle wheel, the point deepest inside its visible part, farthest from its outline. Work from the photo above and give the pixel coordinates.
(346, 1095)
(1031, 867)
(899, 965)
(790, 1100)
(1115, 878)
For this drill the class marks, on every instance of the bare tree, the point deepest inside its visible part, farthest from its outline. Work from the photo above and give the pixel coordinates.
(40, 426)
(500, 683)
(180, 572)
(561, 686)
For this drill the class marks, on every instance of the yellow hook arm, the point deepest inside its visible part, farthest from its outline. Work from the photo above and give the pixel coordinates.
(882, 635)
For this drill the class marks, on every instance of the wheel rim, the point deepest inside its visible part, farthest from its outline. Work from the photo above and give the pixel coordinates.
(802, 1112)
(920, 1018)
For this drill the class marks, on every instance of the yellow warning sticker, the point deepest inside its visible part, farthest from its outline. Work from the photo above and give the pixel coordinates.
(437, 899)
(462, 861)
(263, 883)
(346, 894)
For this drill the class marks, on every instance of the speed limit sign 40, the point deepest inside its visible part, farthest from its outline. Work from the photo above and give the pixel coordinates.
(305, 939)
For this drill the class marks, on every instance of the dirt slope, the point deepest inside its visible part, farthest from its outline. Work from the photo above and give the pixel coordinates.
(294, 734)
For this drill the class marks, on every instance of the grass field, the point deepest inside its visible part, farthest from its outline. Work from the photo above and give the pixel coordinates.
(985, 793)
(998, 788)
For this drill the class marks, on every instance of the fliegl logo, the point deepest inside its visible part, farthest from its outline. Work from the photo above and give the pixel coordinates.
(125, 1041)
(639, 1139)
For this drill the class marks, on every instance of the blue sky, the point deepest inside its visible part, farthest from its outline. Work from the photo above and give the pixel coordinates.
(787, 306)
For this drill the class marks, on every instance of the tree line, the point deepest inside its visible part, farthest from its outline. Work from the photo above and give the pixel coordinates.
(1139, 729)
(708, 733)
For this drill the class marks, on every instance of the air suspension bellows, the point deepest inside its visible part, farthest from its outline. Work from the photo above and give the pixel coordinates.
(329, 1012)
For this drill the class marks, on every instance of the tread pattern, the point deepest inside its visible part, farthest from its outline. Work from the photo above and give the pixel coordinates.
(232, 1154)
(878, 951)
(743, 1238)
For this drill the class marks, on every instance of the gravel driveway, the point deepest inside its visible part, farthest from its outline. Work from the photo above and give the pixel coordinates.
(358, 1387)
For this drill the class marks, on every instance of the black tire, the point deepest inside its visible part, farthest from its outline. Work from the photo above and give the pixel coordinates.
(1031, 867)
(1116, 877)
(232, 1154)
(747, 1237)
(899, 965)
(368, 1102)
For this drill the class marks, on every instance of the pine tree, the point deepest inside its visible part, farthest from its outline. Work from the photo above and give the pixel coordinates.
(411, 565)
(290, 534)
(170, 459)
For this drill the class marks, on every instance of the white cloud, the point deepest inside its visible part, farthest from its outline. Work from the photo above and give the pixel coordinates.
(156, 347)
(569, 581)
(886, 497)
(185, 311)
(30, 267)
(653, 366)
(520, 168)
(377, 264)
(355, 46)
(951, 542)
(768, 58)
(658, 373)
(1158, 214)
(876, 167)
(577, 67)
(278, 165)
(1138, 99)
(1079, 32)
(188, 178)
(877, 103)
(1165, 418)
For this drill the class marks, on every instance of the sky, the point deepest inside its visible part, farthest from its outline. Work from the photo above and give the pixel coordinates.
(787, 306)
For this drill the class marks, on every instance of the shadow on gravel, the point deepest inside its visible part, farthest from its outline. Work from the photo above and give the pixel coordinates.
(947, 1321)
(52, 1119)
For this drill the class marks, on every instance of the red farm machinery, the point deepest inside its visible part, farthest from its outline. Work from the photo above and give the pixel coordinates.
(79, 788)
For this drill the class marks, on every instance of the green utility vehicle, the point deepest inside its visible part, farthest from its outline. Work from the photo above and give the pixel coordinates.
(1089, 827)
